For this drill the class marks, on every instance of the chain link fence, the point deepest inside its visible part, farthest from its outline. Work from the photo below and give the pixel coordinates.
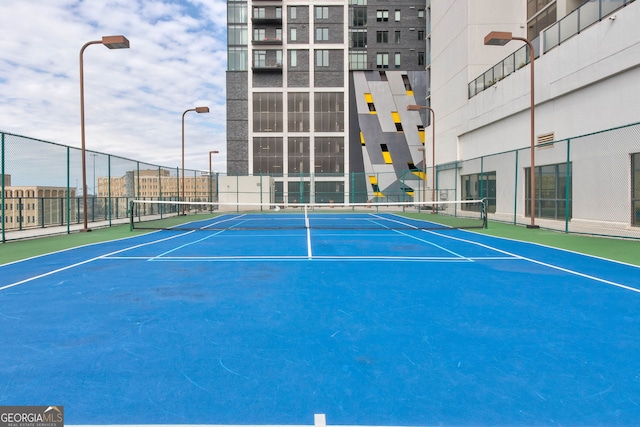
(588, 184)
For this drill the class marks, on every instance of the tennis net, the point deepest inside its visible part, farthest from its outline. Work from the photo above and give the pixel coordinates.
(175, 215)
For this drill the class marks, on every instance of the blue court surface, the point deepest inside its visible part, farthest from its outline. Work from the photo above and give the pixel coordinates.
(384, 327)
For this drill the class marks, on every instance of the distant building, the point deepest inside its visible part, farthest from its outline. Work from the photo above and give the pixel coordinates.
(157, 184)
(36, 205)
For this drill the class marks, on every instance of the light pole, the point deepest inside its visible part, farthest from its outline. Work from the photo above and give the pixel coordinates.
(112, 42)
(197, 110)
(211, 153)
(433, 149)
(501, 38)
(424, 173)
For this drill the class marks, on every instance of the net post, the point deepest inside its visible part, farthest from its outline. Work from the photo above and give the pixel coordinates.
(484, 213)
(131, 215)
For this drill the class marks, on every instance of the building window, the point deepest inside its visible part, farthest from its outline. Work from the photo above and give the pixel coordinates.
(329, 155)
(293, 13)
(293, 34)
(267, 112)
(421, 58)
(322, 12)
(267, 155)
(635, 189)
(420, 34)
(298, 155)
(278, 13)
(322, 58)
(293, 58)
(358, 38)
(397, 37)
(259, 58)
(397, 60)
(382, 60)
(237, 34)
(382, 36)
(298, 105)
(329, 112)
(259, 34)
(358, 16)
(322, 34)
(551, 192)
(259, 12)
(238, 58)
(357, 60)
(421, 13)
(237, 13)
(479, 186)
(397, 15)
(382, 15)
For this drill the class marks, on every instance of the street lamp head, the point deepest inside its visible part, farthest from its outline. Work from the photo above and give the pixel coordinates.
(202, 109)
(421, 149)
(498, 38)
(115, 42)
(214, 152)
(413, 107)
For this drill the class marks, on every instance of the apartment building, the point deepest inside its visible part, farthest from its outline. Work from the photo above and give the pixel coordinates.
(316, 92)
(31, 206)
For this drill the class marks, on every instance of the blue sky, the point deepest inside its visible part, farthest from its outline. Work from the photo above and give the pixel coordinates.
(134, 98)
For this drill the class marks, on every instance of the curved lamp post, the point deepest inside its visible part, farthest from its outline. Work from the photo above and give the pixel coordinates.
(112, 42)
(501, 38)
(197, 110)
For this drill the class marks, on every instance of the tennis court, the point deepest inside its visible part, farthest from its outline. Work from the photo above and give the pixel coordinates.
(379, 320)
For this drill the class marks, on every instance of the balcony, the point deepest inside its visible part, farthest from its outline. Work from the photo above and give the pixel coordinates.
(268, 67)
(268, 41)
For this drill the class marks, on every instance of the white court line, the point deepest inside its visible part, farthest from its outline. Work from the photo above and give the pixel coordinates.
(49, 273)
(545, 264)
(186, 244)
(304, 257)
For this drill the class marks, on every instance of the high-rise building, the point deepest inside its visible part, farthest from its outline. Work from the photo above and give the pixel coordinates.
(317, 95)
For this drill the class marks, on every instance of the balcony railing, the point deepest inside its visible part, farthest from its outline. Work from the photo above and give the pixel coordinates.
(586, 15)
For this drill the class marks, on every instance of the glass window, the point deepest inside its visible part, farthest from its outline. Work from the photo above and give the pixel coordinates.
(357, 60)
(267, 112)
(358, 38)
(479, 186)
(237, 34)
(397, 60)
(329, 155)
(358, 16)
(293, 58)
(267, 155)
(322, 12)
(382, 36)
(382, 15)
(397, 37)
(322, 58)
(551, 192)
(298, 105)
(322, 34)
(293, 13)
(329, 112)
(298, 155)
(293, 34)
(238, 58)
(237, 13)
(259, 12)
(382, 60)
(397, 15)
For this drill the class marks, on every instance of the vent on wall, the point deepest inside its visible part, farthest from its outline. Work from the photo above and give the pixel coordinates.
(545, 140)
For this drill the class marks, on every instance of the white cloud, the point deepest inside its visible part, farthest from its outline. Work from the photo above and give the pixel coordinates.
(134, 98)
